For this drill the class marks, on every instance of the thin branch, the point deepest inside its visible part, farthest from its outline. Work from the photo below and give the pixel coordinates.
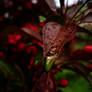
(81, 13)
(75, 7)
(66, 9)
(70, 21)
(78, 22)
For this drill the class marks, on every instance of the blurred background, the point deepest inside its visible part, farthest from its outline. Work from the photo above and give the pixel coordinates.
(21, 54)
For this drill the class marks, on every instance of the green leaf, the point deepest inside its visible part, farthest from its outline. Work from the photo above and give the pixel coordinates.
(65, 74)
(76, 82)
(42, 18)
(5, 69)
(77, 85)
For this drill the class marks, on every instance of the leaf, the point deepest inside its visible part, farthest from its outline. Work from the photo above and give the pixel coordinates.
(8, 70)
(79, 9)
(5, 69)
(87, 26)
(65, 73)
(77, 83)
(50, 32)
(77, 13)
(42, 19)
(19, 74)
(82, 69)
(32, 33)
(83, 30)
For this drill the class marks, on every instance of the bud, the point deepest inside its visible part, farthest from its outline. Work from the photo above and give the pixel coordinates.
(55, 37)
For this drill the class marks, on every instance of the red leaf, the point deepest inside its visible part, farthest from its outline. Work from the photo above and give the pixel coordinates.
(32, 33)
(13, 38)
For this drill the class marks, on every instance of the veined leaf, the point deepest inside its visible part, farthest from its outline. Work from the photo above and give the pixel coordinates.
(87, 26)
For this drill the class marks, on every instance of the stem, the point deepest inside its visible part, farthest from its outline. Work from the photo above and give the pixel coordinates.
(62, 6)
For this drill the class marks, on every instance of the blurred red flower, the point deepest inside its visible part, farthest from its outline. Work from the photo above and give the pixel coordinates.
(21, 46)
(88, 48)
(32, 49)
(13, 38)
(32, 27)
(63, 82)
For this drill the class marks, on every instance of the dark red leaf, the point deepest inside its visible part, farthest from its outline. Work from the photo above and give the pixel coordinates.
(32, 33)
